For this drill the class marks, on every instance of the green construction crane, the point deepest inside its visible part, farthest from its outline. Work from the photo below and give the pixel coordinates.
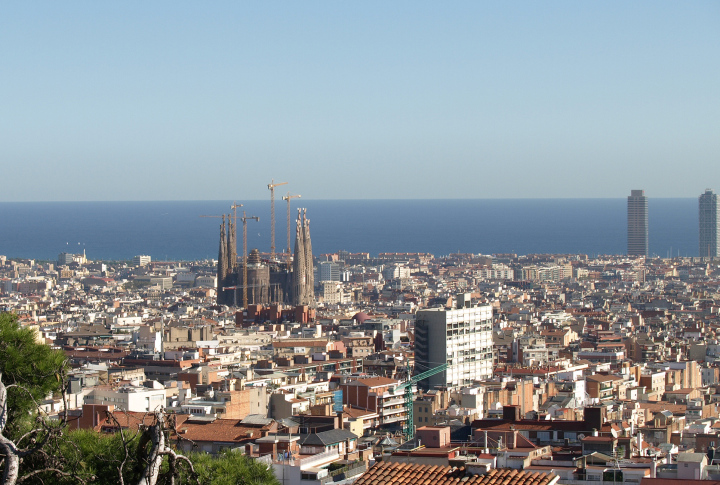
(409, 428)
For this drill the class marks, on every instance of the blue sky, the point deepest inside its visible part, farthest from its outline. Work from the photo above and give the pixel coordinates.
(211, 100)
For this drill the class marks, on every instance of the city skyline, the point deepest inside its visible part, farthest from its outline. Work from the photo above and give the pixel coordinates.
(153, 102)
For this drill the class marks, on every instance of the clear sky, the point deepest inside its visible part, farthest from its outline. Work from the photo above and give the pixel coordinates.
(169, 100)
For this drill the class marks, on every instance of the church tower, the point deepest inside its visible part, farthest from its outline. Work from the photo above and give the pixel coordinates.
(222, 264)
(303, 277)
(231, 246)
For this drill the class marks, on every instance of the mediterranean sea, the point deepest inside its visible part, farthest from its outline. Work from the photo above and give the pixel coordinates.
(174, 230)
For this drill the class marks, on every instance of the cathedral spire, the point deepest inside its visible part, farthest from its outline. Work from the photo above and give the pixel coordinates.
(231, 245)
(222, 263)
(309, 266)
(299, 263)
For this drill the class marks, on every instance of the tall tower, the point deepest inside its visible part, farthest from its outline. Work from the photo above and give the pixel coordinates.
(232, 244)
(709, 224)
(299, 276)
(222, 264)
(303, 278)
(309, 266)
(637, 218)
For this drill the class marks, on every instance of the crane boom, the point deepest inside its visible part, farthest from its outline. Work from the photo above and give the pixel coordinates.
(409, 428)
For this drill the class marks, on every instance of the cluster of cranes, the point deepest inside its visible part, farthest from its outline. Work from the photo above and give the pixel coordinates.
(245, 218)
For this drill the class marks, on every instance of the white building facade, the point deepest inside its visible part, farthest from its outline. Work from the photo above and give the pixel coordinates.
(460, 337)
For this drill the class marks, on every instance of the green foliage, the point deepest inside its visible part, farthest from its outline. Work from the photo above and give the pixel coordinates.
(229, 468)
(34, 367)
(99, 455)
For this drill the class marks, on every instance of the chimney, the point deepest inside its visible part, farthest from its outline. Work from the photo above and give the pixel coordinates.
(653, 468)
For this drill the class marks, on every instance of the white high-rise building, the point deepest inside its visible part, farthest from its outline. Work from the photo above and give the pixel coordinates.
(460, 337)
(709, 224)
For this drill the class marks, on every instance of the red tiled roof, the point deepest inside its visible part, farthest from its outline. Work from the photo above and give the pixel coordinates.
(376, 382)
(406, 473)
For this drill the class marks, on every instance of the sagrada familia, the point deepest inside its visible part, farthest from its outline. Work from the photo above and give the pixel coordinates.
(268, 282)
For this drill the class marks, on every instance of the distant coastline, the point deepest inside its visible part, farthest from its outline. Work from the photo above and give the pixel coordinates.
(173, 230)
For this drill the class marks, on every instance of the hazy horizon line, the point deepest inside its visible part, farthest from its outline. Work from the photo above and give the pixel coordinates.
(328, 199)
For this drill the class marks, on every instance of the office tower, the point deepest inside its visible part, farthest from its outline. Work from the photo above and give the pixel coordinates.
(637, 224)
(460, 337)
(709, 224)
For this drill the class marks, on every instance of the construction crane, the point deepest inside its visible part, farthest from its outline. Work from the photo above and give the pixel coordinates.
(289, 197)
(234, 208)
(244, 220)
(409, 428)
(272, 186)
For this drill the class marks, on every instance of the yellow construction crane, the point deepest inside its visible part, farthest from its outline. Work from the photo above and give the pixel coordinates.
(272, 186)
(244, 220)
(289, 197)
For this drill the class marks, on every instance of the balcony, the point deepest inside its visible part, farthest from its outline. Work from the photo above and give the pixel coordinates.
(393, 402)
(389, 412)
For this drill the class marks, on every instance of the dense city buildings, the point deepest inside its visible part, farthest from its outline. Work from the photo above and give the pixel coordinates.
(709, 224)
(570, 367)
(637, 223)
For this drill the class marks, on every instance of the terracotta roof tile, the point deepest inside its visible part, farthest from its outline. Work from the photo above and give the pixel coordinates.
(398, 473)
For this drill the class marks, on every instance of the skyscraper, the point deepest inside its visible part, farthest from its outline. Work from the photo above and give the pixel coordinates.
(709, 224)
(637, 224)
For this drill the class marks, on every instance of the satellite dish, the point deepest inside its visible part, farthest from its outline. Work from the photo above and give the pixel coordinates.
(581, 436)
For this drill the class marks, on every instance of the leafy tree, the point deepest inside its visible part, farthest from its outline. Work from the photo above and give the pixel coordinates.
(231, 468)
(30, 370)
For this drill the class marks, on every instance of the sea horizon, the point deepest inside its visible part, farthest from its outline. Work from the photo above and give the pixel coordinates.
(174, 230)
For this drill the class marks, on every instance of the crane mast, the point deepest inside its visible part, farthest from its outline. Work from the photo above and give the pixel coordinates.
(409, 428)
(289, 197)
(272, 186)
